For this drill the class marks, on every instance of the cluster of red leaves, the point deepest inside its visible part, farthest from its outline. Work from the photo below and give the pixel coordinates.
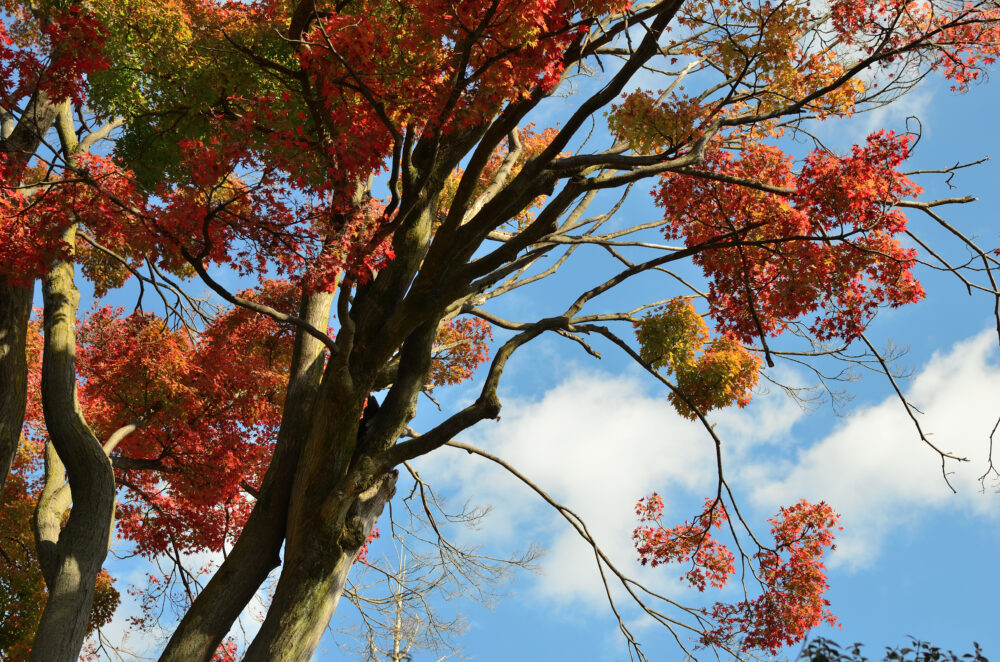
(228, 651)
(461, 346)
(506, 48)
(95, 193)
(216, 217)
(447, 66)
(711, 561)
(963, 38)
(213, 408)
(827, 248)
(792, 575)
(16, 234)
(711, 373)
(211, 217)
(794, 580)
(363, 552)
(76, 39)
(33, 416)
(355, 247)
(49, 52)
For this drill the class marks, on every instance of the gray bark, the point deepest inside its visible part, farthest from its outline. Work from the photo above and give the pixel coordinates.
(314, 579)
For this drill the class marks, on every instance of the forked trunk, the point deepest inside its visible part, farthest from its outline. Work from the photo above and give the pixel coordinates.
(255, 553)
(83, 542)
(314, 576)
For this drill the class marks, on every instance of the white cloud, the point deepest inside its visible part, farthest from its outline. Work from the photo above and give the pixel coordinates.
(597, 443)
(874, 469)
(897, 114)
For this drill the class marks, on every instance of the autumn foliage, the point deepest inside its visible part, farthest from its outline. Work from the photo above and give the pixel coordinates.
(315, 205)
(710, 373)
(756, 286)
(791, 575)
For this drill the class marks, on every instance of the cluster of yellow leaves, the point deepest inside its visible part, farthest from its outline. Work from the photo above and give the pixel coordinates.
(764, 48)
(711, 372)
(651, 123)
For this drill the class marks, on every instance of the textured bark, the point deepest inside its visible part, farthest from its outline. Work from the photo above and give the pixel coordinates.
(314, 578)
(256, 551)
(27, 134)
(340, 489)
(15, 308)
(83, 542)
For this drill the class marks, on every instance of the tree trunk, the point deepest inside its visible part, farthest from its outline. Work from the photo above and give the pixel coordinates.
(314, 576)
(83, 542)
(15, 308)
(53, 502)
(340, 489)
(255, 554)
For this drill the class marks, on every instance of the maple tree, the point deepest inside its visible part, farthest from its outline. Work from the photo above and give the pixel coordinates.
(791, 602)
(374, 197)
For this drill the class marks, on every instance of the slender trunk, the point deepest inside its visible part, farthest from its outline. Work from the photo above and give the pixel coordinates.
(314, 576)
(83, 542)
(256, 551)
(15, 308)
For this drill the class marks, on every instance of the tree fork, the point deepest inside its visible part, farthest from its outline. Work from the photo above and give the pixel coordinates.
(315, 574)
(53, 502)
(256, 551)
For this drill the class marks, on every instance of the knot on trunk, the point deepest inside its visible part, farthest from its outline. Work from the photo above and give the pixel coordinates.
(365, 510)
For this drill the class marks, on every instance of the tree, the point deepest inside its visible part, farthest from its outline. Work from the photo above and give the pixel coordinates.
(824, 650)
(399, 185)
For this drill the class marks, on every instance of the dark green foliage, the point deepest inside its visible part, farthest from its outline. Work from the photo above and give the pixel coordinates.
(826, 650)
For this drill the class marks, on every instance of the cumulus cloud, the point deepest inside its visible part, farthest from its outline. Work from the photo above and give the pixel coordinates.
(598, 442)
(874, 469)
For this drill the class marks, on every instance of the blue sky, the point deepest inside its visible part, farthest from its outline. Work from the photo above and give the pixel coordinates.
(913, 558)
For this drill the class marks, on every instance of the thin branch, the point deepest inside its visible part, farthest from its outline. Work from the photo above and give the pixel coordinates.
(910, 412)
